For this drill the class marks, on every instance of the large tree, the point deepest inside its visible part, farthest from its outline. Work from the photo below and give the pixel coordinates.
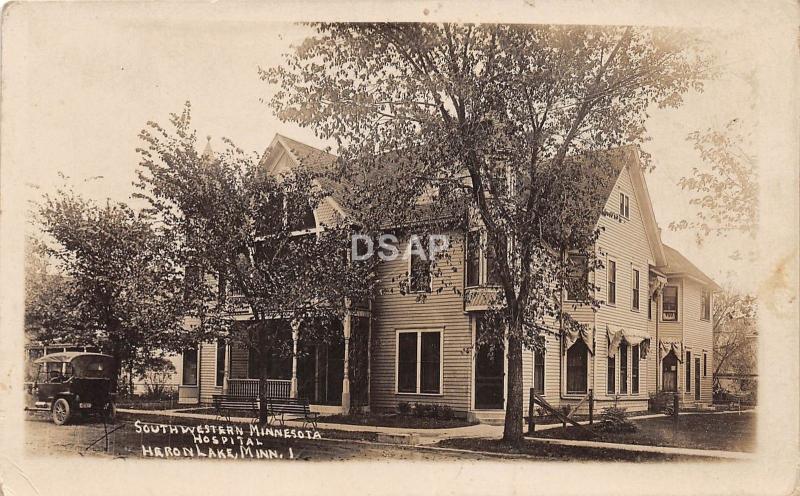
(494, 115)
(735, 334)
(113, 285)
(246, 232)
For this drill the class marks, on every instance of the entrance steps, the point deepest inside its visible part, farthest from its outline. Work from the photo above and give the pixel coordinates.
(489, 417)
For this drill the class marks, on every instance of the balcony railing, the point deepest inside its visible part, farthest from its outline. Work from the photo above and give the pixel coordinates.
(482, 298)
(276, 388)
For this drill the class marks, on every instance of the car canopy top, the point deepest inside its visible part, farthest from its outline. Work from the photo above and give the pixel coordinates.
(84, 364)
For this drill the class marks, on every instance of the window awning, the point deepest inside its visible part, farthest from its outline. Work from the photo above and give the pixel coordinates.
(675, 345)
(656, 283)
(633, 337)
(572, 335)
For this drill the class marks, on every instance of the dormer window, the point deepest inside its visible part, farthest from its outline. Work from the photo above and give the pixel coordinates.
(624, 206)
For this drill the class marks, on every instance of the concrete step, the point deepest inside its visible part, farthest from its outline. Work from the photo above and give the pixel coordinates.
(489, 417)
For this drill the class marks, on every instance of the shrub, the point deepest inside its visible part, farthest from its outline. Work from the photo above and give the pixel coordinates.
(404, 408)
(446, 412)
(566, 409)
(422, 410)
(660, 402)
(615, 420)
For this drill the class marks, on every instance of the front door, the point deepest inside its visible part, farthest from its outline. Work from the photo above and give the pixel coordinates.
(697, 379)
(669, 372)
(489, 375)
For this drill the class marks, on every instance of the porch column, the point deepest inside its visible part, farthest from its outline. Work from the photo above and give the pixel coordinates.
(227, 375)
(295, 336)
(346, 375)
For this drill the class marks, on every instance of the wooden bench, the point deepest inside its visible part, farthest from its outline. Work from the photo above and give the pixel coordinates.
(224, 403)
(280, 407)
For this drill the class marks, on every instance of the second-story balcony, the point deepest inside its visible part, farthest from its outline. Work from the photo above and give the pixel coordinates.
(481, 298)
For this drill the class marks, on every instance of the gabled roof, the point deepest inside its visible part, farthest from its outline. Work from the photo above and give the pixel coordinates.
(679, 265)
(313, 159)
(601, 171)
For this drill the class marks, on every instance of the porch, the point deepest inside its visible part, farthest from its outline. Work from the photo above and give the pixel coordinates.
(332, 375)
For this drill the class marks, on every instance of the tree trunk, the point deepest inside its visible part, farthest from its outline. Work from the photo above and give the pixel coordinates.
(512, 433)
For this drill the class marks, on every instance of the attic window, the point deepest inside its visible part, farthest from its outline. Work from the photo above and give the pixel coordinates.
(624, 206)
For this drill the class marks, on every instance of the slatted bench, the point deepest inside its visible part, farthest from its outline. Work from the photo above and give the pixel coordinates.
(224, 403)
(278, 408)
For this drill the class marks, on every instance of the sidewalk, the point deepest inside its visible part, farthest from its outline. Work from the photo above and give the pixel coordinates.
(429, 437)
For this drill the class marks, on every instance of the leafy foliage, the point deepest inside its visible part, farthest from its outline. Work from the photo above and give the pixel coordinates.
(735, 334)
(243, 229)
(726, 188)
(115, 285)
(615, 420)
(508, 123)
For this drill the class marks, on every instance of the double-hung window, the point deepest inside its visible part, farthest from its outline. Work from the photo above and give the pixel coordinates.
(419, 364)
(670, 303)
(688, 371)
(624, 206)
(635, 369)
(705, 304)
(623, 368)
(635, 290)
(578, 281)
(611, 275)
(473, 261)
(190, 367)
(420, 266)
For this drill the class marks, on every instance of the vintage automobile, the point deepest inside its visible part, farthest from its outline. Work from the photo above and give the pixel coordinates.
(72, 383)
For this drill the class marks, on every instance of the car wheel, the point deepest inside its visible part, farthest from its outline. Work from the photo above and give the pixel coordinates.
(110, 412)
(61, 411)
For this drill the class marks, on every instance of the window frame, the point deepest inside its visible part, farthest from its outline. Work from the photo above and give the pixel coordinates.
(217, 382)
(677, 303)
(585, 258)
(611, 375)
(705, 304)
(688, 372)
(585, 368)
(636, 289)
(705, 364)
(537, 354)
(196, 366)
(609, 282)
(624, 206)
(418, 361)
(470, 235)
(623, 367)
(636, 370)
(424, 243)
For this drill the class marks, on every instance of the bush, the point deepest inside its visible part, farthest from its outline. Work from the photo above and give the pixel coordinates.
(446, 413)
(566, 409)
(434, 411)
(404, 408)
(660, 402)
(422, 410)
(615, 420)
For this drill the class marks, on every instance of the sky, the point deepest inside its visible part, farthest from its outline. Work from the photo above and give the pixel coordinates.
(87, 84)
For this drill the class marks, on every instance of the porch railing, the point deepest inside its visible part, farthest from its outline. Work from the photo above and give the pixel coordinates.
(278, 388)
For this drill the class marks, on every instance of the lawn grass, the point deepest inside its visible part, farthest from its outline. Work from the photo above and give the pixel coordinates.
(729, 432)
(547, 451)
